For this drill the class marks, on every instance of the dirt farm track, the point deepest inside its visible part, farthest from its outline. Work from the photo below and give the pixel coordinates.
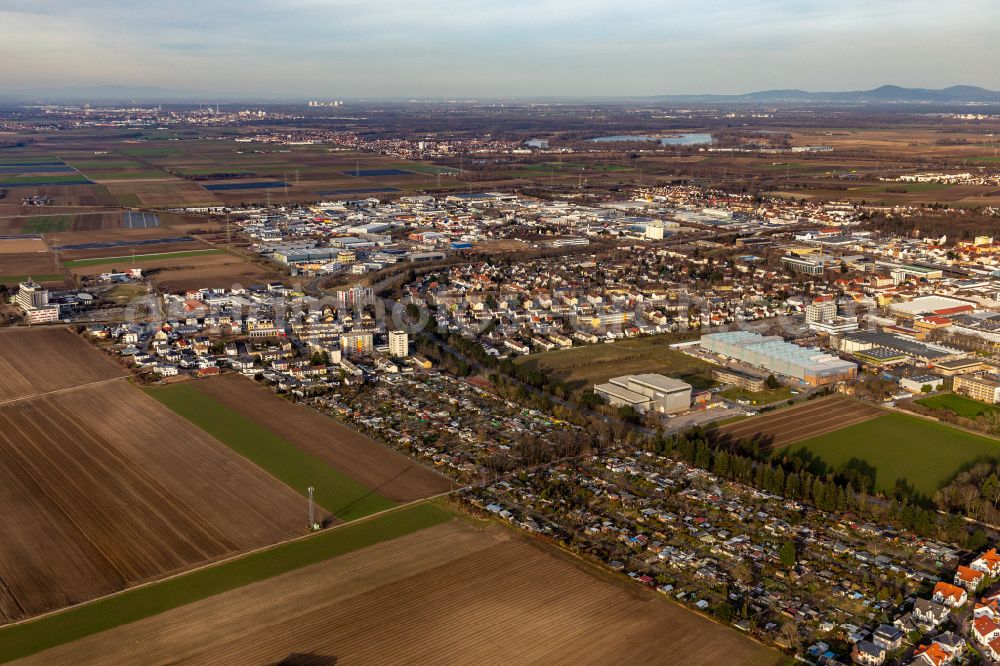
(452, 594)
(811, 419)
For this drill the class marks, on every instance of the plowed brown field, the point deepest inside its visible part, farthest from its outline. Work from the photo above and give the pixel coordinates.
(451, 594)
(374, 465)
(787, 426)
(40, 360)
(101, 487)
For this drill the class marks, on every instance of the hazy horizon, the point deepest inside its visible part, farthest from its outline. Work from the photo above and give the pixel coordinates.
(342, 49)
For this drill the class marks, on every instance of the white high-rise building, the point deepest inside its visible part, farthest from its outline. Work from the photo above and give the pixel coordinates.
(821, 309)
(34, 300)
(399, 344)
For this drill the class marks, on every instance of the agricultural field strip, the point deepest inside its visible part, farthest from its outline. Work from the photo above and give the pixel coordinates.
(337, 492)
(69, 361)
(160, 516)
(803, 427)
(180, 254)
(150, 598)
(802, 422)
(409, 590)
(124, 243)
(375, 465)
(57, 391)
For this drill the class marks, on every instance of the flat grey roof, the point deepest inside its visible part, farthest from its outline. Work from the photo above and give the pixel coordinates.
(661, 382)
(620, 393)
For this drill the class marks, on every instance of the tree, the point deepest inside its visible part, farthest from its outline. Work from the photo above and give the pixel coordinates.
(787, 555)
(789, 636)
(772, 382)
(926, 388)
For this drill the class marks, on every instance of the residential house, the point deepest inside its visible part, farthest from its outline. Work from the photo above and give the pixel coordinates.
(930, 655)
(988, 563)
(929, 614)
(984, 630)
(867, 653)
(949, 595)
(888, 637)
(968, 577)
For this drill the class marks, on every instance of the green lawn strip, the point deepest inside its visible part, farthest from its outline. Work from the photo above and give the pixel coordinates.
(10, 280)
(33, 636)
(426, 169)
(105, 165)
(16, 159)
(34, 178)
(97, 261)
(207, 170)
(131, 200)
(898, 446)
(46, 224)
(147, 174)
(765, 397)
(151, 150)
(958, 404)
(335, 491)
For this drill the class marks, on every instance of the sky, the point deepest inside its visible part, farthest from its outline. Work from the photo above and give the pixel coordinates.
(463, 49)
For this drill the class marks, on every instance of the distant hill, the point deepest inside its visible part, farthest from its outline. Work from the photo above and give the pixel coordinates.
(881, 95)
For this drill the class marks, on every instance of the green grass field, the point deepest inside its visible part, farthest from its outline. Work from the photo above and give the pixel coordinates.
(426, 169)
(105, 165)
(791, 166)
(958, 404)
(130, 200)
(152, 150)
(335, 491)
(145, 174)
(764, 397)
(582, 367)
(44, 224)
(909, 187)
(97, 261)
(923, 452)
(34, 178)
(207, 171)
(32, 637)
(26, 159)
(11, 280)
(546, 167)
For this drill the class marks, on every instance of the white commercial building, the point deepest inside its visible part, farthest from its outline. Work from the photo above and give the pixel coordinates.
(916, 383)
(646, 392)
(821, 309)
(34, 300)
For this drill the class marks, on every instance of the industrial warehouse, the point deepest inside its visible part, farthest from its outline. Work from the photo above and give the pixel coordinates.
(646, 392)
(772, 353)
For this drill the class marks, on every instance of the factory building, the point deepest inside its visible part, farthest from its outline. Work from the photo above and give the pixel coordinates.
(646, 392)
(864, 341)
(772, 353)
